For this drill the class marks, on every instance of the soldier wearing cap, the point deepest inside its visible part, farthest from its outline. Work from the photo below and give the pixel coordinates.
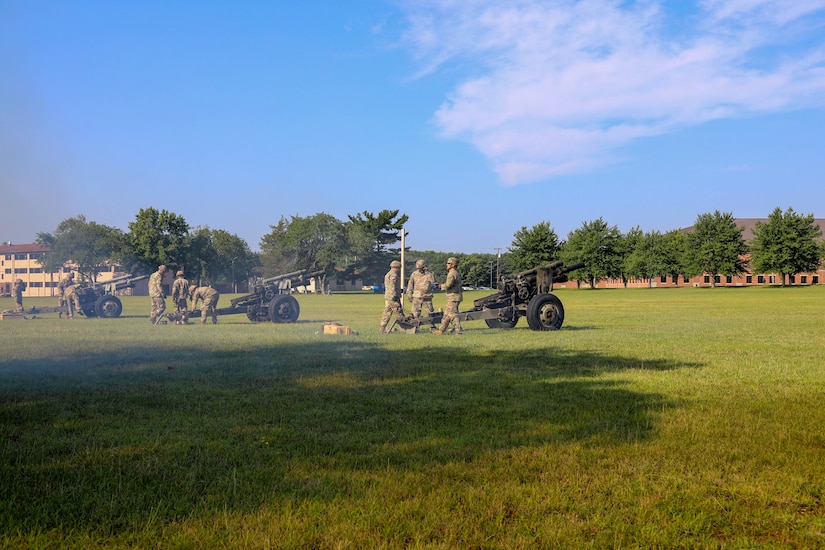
(420, 289)
(64, 284)
(156, 293)
(452, 289)
(17, 291)
(392, 295)
(180, 292)
(210, 297)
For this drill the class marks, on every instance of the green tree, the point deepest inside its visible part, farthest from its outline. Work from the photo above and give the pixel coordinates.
(312, 243)
(158, 237)
(597, 245)
(626, 245)
(533, 247)
(673, 251)
(648, 259)
(479, 270)
(369, 237)
(217, 256)
(89, 245)
(716, 247)
(786, 244)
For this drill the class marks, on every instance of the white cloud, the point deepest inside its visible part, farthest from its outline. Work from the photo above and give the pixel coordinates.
(555, 87)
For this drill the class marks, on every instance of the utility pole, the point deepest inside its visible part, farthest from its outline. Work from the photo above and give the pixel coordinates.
(498, 266)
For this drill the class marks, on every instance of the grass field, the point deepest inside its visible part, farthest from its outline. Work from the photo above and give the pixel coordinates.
(663, 418)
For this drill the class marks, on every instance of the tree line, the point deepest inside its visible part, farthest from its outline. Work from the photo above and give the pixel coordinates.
(362, 246)
(787, 244)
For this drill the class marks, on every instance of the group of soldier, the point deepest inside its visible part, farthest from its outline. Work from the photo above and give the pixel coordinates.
(182, 291)
(420, 292)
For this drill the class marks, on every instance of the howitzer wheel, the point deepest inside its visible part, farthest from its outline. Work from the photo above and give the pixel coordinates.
(545, 312)
(501, 323)
(108, 307)
(284, 309)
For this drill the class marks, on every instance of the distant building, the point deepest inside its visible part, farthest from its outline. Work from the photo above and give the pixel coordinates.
(745, 279)
(21, 261)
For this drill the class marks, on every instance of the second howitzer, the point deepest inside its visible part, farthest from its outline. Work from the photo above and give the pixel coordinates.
(270, 299)
(99, 300)
(524, 294)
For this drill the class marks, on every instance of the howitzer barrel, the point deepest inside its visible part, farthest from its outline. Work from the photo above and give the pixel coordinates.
(532, 272)
(301, 273)
(120, 283)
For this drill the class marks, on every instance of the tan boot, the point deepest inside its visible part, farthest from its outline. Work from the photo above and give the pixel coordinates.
(437, 331)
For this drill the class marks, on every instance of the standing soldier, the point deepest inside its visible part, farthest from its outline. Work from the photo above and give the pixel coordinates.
(452, 287)
(392, 295)
(210, 298)
(156, 293)
(180, 292)
(70, 296)
(420, 289)
(17, 291)
(64, 283)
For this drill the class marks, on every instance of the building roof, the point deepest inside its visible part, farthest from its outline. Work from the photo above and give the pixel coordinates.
(21, 248)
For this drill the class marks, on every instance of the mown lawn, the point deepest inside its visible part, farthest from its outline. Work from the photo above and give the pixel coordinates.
(667, 418)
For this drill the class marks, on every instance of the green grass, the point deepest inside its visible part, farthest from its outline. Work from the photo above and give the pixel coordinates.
(660, 418)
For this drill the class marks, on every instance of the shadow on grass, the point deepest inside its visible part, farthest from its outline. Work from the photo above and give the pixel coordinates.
(112, 441)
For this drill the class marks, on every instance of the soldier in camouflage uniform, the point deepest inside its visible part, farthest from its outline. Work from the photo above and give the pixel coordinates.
(392, 295)
(64, 283)
(209, 296)
(452, 287)
(420, 289)
(71, 298)
(180, 292)
(156, 293)
(17, 291)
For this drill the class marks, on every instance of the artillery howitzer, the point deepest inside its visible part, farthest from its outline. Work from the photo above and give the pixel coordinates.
(99, 300)
(270, 299)
(524, 294)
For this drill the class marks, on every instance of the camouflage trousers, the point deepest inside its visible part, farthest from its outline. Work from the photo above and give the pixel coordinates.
(208, 307)
(451, 316)
(390, 307)
(72, 302)
(181, 310)
(158, 307)
(419, 303)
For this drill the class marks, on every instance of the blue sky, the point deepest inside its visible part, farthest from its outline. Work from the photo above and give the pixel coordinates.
(473, 117)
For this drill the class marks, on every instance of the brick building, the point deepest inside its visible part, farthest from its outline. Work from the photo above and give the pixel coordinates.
(704, 280)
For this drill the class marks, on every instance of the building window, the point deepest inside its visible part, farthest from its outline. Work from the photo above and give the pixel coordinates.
(36, 270)
(36, 284)
(728, 279)
(36, 255)
(792, 279)
(717, 279)
(771, 279)
(8, 270)
(749, 279)
(8, 256)
(51, 284)
(707, 279)
(815, 280)
(804, 279)
(760, 279)
(20, 257)
(21, 270)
